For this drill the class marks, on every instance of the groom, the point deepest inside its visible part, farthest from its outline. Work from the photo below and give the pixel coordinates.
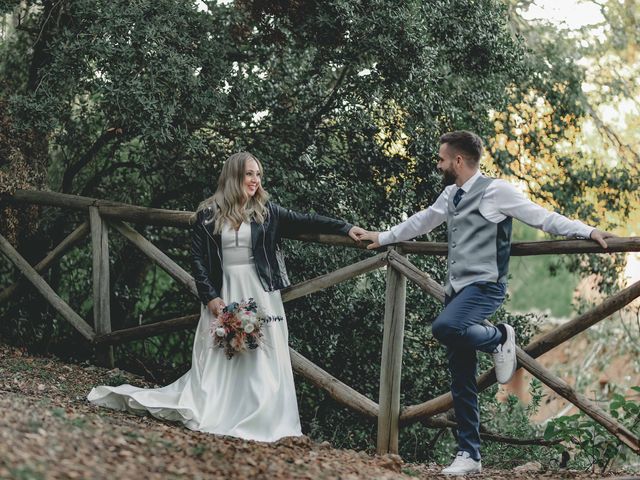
(478, 211)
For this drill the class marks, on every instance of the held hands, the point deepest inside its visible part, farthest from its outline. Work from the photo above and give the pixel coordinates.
(359, 234)
(215, 306)
(355, 233)
(599, 236)
(372, 237)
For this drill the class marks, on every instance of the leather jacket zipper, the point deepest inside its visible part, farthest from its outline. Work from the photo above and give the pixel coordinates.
(264, 248)
(214, 241)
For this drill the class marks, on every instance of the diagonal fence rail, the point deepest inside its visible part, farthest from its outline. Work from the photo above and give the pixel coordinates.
(388, 412)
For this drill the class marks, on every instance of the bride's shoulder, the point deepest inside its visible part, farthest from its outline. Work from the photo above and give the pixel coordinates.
(272, 207)
(205, 213)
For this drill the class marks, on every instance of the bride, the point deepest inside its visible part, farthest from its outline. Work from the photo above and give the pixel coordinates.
(236, 256)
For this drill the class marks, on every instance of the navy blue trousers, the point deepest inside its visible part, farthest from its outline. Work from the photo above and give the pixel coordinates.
(459, 327)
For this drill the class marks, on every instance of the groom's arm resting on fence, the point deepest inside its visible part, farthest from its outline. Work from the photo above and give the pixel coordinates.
(505, 200)
(501, 200)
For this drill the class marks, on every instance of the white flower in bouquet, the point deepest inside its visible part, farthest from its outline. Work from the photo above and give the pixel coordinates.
(249, 328)
(220, 332)
(246, 318)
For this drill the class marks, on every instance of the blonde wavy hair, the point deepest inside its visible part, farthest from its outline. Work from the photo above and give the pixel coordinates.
(230, 202)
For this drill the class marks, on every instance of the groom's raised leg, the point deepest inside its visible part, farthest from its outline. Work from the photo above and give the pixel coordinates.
(460, 324)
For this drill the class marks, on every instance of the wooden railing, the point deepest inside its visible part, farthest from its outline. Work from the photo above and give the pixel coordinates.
(388, 412)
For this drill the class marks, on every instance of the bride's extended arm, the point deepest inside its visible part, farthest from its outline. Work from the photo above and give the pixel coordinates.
(293, 223)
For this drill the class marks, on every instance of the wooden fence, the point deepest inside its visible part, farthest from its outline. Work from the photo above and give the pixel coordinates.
(389, 413)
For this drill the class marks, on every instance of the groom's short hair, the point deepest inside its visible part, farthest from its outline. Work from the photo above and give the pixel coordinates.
(467, 143)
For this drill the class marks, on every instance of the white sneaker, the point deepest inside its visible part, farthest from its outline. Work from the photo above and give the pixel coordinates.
(463, 464)
(504, 356)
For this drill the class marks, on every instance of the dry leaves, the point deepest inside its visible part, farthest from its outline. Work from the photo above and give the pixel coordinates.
(49, 430)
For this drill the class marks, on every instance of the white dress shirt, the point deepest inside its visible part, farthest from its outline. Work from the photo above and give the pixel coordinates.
(501, 200)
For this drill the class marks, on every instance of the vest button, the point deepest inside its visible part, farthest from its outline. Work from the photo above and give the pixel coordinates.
(454, 229)
(452, 262)
(453, 245)
(455, 214)
(453, 277)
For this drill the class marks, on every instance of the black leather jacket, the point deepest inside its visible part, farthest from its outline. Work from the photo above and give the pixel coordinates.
(206, 251)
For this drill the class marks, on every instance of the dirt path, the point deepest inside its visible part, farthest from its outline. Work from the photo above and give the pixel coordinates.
(49, 431)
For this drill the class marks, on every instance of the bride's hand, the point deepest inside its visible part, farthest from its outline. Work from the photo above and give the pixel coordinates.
(216, 305)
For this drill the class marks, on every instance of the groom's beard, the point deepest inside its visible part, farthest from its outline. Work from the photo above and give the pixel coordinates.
(448, 178)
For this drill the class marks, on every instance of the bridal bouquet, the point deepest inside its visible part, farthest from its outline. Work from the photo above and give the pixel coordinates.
(239, 327)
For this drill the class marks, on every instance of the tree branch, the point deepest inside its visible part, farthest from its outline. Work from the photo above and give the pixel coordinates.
(326, 105)
(71, 172)
(440, 422)
(93, 182)
(41, 55)
(613, 137)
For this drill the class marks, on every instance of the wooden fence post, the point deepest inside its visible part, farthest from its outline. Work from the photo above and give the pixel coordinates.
(391, 366)
(101, 294)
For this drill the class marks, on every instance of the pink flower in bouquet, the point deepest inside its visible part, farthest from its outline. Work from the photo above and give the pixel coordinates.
(237, 342)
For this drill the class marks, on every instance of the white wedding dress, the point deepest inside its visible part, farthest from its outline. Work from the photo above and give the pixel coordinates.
(251, 395)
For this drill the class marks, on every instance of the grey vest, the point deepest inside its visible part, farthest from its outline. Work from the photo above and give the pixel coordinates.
(478, 249)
